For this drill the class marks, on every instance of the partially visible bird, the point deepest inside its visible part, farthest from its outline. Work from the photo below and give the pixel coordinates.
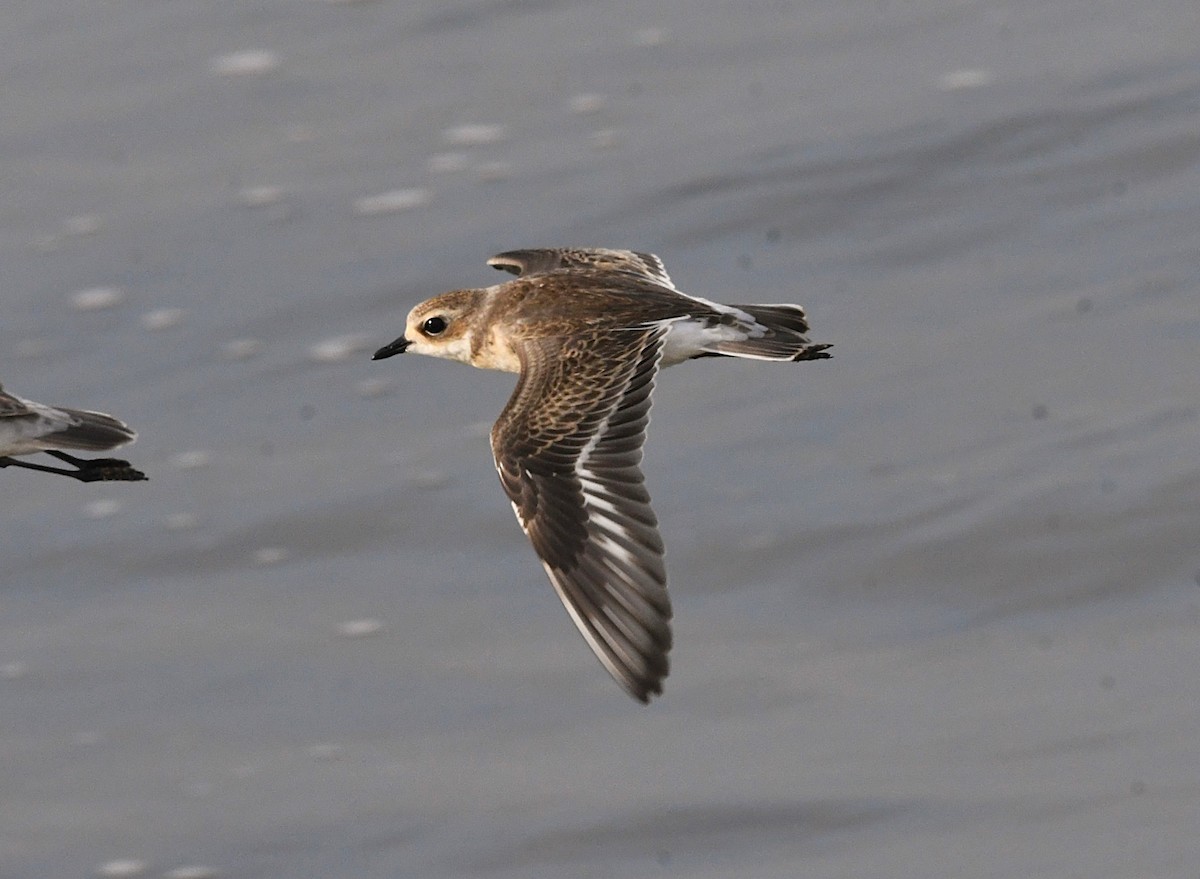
(27, 428)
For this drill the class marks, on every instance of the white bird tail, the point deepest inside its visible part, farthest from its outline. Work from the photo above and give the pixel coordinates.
(784, 338)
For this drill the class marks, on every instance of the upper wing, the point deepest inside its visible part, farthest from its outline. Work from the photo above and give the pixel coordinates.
(568, 448)
(537, 262)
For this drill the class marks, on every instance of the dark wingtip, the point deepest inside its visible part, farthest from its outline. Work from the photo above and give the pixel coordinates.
(644, 689)
(392, 349)
(649, 693)
(813, 352)
(506, 262)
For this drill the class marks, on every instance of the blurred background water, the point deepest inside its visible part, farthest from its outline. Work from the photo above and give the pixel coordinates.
(937, 604)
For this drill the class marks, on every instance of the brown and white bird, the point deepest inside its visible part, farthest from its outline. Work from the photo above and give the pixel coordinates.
(587, 330)
(27, 427)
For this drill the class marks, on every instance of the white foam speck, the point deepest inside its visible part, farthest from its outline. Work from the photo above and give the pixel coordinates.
(956, 80)
(198, 789)
(180, 521)
(121, 868)
(190, 460)
(391, 202)
(587, 103)
(605, 138)
(431, 479)
(447, 163)
(246, 770)
(359, 628)
(102, 509)
(191, 871)
(474, 134)
(339, 348)
(11, 671)
(260, 196)
(270, 555)
(375, 387)
(82, 224)
(240, 349)
(650, 36)
(300, 134)
(97, 298)
(162, 318)
(251, 62)
(760, 541)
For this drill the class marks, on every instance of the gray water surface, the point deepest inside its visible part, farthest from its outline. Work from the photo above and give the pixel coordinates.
(937, 608)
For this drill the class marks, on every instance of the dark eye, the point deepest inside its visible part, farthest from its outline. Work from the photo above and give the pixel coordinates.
(434, 326)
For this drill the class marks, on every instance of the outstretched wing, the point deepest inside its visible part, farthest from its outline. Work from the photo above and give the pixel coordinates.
(539, 262)
(568, 448)
(27, 427)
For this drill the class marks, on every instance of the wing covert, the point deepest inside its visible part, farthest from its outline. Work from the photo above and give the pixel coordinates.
(538, 261)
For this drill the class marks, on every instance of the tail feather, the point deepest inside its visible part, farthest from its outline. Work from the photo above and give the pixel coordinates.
(778, 317)
(91, 432)
(785, 339)
(774, 349)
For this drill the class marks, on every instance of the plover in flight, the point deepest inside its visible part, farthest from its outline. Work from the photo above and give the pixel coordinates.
(27, 427)
(588, 329)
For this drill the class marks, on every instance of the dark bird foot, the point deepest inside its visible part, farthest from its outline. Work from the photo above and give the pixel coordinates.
(88, 470)
(108, 470)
